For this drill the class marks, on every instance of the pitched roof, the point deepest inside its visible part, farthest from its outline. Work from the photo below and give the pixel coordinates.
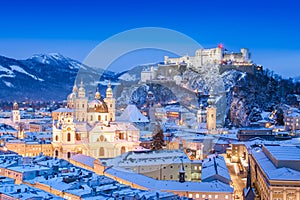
(132, 114)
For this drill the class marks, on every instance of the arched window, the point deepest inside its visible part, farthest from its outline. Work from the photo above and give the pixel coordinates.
(99, 118)
(123, 149)
(101, 151)
(56, 138)
(91, 117)
(69, 137)
(101, 138)
(56, 153)
(105, 117)
(69, 155)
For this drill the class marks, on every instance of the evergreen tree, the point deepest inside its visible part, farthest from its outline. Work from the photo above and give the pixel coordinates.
(157, 138)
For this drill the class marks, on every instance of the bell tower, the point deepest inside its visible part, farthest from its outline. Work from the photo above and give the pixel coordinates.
(16, 113)
(81, 104)
(110, 102)
(211, 112)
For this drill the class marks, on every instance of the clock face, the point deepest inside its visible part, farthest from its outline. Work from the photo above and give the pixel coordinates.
(68, 129)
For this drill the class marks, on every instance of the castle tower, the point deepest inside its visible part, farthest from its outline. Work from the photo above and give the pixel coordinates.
(16, 113)
(211, 112)
(201, 114)
(81, 104)
(110, 102)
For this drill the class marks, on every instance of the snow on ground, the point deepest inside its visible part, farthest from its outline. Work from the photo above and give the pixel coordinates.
(21, 70)
(8, 84)
(128, 77)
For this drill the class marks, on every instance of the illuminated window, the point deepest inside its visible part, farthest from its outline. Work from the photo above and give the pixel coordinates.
(226, 197)
(69, 137)
(190, 195)
(216, 196)
(209, 196)
(56, 137)
(197, 195)
(203, 195)
(101, 151)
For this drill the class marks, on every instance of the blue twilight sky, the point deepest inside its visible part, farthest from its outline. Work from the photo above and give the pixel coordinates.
(270, 29)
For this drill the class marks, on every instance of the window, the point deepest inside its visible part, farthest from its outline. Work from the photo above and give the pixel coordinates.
(171, 176)
(226, 197)
(69, 137)
(216, 196)
(56, 153)
(69, 155)
(197, 195)
(203, 195)
(91, 117)
(56, 137)
(101, 151)
(209, 196)
(99, 118)
(123, 149)
(190, 195)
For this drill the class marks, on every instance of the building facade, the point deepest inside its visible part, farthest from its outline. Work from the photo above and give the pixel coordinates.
(88, 127)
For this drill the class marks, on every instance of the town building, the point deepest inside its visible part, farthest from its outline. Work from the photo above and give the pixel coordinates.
(245, 134)
(159, 165)
(89, 127)
(275, 171)
(292, 120)
(29, 147)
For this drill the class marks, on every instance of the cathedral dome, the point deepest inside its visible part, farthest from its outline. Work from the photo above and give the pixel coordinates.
(97, 105)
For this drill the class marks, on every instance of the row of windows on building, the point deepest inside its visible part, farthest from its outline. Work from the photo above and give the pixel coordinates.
(206, 196)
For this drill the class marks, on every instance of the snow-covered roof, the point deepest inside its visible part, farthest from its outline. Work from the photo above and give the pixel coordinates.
(274, 173)
(7, 128)
(132, 114)
(63, 110)
(163, 185)
(87, 160)
(25, 192)
(215, 166)
(26, 168)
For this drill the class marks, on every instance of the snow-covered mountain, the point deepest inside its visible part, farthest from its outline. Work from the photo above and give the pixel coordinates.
(42, 77)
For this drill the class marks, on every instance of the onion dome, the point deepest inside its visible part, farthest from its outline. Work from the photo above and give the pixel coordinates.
(109, 91)
(211, 100)
(15, 106)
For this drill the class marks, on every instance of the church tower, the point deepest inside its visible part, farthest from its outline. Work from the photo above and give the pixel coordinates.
(16, 113)
(211, 112)
(64, 136)
(110, 102)
(201, 114)
(72, 98)
(81, 104)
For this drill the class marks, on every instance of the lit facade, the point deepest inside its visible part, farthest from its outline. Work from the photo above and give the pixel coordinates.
(24, 148)
(89, 127)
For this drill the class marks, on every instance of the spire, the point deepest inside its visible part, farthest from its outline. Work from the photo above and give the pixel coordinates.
(97, 94)
(248, 185)
(181, 173)
(75, 88)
